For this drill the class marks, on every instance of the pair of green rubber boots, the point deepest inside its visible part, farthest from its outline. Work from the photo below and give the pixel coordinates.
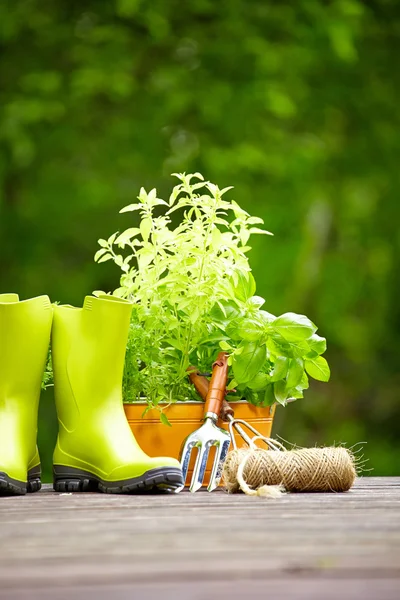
(95, 449)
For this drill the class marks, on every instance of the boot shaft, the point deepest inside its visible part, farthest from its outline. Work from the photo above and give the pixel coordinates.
(24, 341)
(89, 346)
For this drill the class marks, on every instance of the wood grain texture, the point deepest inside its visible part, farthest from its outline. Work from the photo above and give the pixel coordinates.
(202, 545)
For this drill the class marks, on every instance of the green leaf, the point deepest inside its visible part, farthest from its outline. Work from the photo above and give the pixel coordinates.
(102, 243)
(175, 343)
(225, 346)
(318, 368)
(269, 396)
(255, 221)
(280, 392)
(224, 311)
(295, 372)
(245, 286)
(317, 343)
(145, 228)
(145, 257)
(296, 393)
(257, 230)
(99, 253)
(250, 330)
(131, 208)
(226, 189)
(280, 368)
(304, 383)
(293, 327)
(256, 300)
(249, 363)
(266, 317)
(232, 385)
(259, 382)
(119, 260)
(216, 238)
(164, 419)
(127, 235)
(105, 258)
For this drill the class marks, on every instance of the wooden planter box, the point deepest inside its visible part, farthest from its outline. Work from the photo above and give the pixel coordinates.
(157, 439)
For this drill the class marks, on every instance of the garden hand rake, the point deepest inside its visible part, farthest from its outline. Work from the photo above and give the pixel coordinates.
(209, 434)
(227, 414)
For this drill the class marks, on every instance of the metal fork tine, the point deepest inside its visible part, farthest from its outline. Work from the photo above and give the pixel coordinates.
(220, 456)
(186, 454)
(199, 468)
(209, 434)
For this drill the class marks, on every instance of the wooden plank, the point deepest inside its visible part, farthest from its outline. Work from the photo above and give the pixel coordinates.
(84, 544)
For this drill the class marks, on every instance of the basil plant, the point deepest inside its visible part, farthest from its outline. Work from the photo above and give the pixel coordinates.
(184, 265)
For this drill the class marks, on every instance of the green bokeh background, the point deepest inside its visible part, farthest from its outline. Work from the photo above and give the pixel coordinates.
(295, 103)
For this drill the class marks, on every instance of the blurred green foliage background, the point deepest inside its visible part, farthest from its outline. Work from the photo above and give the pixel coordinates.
(295, 103)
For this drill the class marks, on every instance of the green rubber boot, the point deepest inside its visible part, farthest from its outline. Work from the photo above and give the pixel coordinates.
(24, 341)
(96, 449)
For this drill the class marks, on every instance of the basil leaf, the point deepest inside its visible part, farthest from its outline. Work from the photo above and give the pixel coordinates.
(280, 392)
(293, 327)
(247, 364)
(164, 420)
(318, 368)
(269, 396)
(245, 287)
(250, 330)
(258, 382)
(317, 344)
(280, 368)
(295, 372)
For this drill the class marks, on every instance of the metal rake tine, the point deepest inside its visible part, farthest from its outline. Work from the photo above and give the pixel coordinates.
(199, 468)
(185, 457)
(220, 456)
(208, 434)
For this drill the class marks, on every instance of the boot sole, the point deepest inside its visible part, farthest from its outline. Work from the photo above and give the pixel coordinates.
(162, 479)
(14, 487)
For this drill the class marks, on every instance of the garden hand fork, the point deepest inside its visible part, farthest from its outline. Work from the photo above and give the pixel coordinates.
(209, 434)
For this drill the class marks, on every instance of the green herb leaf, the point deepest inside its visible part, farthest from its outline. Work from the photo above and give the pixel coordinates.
(249, 363)
(295, 372)
(318, 368)
(259, 382)
(269, 396)
(245, 286)
(225, 346)
(164, 419)
(280, 392)
(127, 235)
(250, 330)
(317, 343)
(105, 258)
(256, 301)
(130, 208)
(280, 368)
(231, 385)
(145, 228)
(293, 327)
(99, 253)
(257, 230)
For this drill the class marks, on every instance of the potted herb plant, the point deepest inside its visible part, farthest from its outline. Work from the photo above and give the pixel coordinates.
(184, 265)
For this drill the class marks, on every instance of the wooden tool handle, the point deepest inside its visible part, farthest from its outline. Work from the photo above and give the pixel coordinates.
(216, 391)
(202, 385)
(226, 411)
(200, 382)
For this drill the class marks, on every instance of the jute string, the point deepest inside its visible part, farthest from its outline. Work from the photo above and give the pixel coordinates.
(259, 472)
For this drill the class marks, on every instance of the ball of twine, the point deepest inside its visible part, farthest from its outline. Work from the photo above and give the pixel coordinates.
(253, 470)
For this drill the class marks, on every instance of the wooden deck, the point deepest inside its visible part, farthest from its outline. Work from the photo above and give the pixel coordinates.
(200, 546)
